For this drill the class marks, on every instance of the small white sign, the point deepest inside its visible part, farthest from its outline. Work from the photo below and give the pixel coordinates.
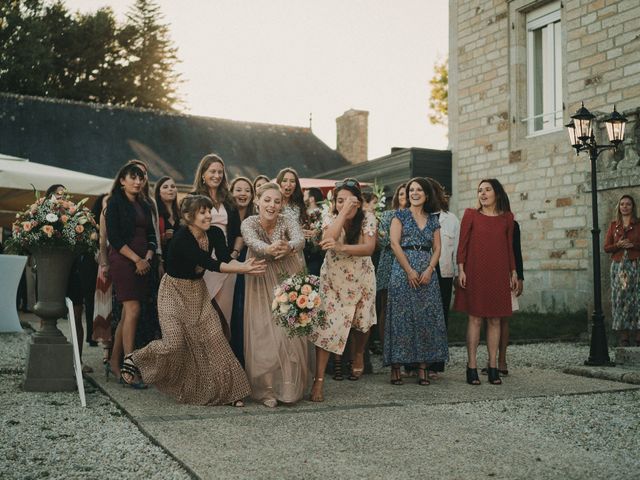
(77, 364)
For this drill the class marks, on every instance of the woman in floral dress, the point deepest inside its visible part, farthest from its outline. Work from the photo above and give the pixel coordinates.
(347, 282)
(414, 330)
(623, 243)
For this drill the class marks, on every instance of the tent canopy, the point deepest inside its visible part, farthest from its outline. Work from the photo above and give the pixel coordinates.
(18, 178)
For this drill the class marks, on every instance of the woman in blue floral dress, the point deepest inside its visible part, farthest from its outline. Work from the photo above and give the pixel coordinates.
(414, 330)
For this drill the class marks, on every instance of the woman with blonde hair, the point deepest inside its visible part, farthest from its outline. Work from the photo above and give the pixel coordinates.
(211, 181)
(623, 243)
(277, 366)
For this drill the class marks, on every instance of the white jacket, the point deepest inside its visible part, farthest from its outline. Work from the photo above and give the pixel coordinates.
(449, 238)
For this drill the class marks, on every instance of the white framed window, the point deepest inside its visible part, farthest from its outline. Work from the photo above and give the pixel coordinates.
(544, 69)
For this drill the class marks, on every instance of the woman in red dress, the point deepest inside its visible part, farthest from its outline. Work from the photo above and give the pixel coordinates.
(486, 273)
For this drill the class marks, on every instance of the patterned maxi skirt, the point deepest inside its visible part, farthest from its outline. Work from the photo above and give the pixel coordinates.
(193, 362)
(625, 293)
(102, 311)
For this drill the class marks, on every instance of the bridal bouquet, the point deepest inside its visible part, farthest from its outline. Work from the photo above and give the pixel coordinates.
(56, 223)
(315, 224)
(297, 305)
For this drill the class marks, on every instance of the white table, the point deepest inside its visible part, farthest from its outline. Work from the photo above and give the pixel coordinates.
(11, 267)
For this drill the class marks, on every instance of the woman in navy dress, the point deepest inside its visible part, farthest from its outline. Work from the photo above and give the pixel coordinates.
(414, 330)
(242, 191)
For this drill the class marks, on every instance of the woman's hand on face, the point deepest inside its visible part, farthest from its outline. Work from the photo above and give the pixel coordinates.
(462, 280)
(414, 279)
(351, 204)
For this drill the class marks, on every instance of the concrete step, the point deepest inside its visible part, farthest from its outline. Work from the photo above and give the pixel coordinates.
(628, 356)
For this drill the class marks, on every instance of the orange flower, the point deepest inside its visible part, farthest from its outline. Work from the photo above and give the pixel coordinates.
(293, 296)
(317, 301)
(94, 236)
(26, 226)
(64, 218)
(306, 289)
(48, 230)
(301, 302)
(79, 229)
(303, 319)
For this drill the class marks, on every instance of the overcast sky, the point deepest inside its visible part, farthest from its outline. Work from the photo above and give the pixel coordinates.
(277, 61)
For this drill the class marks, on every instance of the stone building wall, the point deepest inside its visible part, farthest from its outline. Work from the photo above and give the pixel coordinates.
(548, 185)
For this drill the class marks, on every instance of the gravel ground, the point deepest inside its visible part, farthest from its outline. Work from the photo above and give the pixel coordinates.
(556, 356)
(49, 435)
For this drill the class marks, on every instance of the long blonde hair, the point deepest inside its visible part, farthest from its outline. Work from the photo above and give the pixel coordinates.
(634, 213)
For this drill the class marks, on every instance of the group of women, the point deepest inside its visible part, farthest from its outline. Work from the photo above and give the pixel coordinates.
(203, 290)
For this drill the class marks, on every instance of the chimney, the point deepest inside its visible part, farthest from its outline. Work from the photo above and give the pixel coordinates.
(353, 136)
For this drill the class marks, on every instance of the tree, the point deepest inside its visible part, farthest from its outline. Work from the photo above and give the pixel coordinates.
(151, 58)
(439, 96)
(47, 51)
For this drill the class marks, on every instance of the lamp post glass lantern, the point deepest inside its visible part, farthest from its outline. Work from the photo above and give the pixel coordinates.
(581, 136)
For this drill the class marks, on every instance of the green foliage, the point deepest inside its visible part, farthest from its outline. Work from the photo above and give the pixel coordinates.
(439, 96)
(47, 51)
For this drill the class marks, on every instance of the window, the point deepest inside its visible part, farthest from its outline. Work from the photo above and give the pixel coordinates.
(544, 69)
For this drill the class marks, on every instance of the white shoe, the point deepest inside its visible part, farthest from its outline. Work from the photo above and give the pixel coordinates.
(270, 402)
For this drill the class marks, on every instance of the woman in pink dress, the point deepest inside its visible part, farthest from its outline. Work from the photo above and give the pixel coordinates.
(486, 273)
(211, 181)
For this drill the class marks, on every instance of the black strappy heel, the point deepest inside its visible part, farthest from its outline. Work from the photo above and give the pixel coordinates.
(337, 368)
(396, 378)
(424, 381)
(129, 369)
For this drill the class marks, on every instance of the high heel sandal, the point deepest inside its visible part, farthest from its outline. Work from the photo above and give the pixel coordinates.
(130, 370)
(494, 376)
(356, 374)
(315, 397)
(472, 376)
(396, 379)
(337, 369)
(423, 380)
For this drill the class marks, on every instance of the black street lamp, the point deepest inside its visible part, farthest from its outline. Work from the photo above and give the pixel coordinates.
(582, 139)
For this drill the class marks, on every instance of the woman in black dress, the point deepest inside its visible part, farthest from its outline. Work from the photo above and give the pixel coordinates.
(193, 361)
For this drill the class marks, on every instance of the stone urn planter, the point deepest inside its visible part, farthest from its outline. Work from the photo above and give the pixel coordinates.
(50, 356)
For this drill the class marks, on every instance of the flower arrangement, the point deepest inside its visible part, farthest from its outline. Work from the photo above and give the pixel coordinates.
(315, 223)
(54, 222)
(297, 304)
(378, 191)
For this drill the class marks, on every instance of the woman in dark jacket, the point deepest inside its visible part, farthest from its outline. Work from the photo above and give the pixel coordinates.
(132, 242)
